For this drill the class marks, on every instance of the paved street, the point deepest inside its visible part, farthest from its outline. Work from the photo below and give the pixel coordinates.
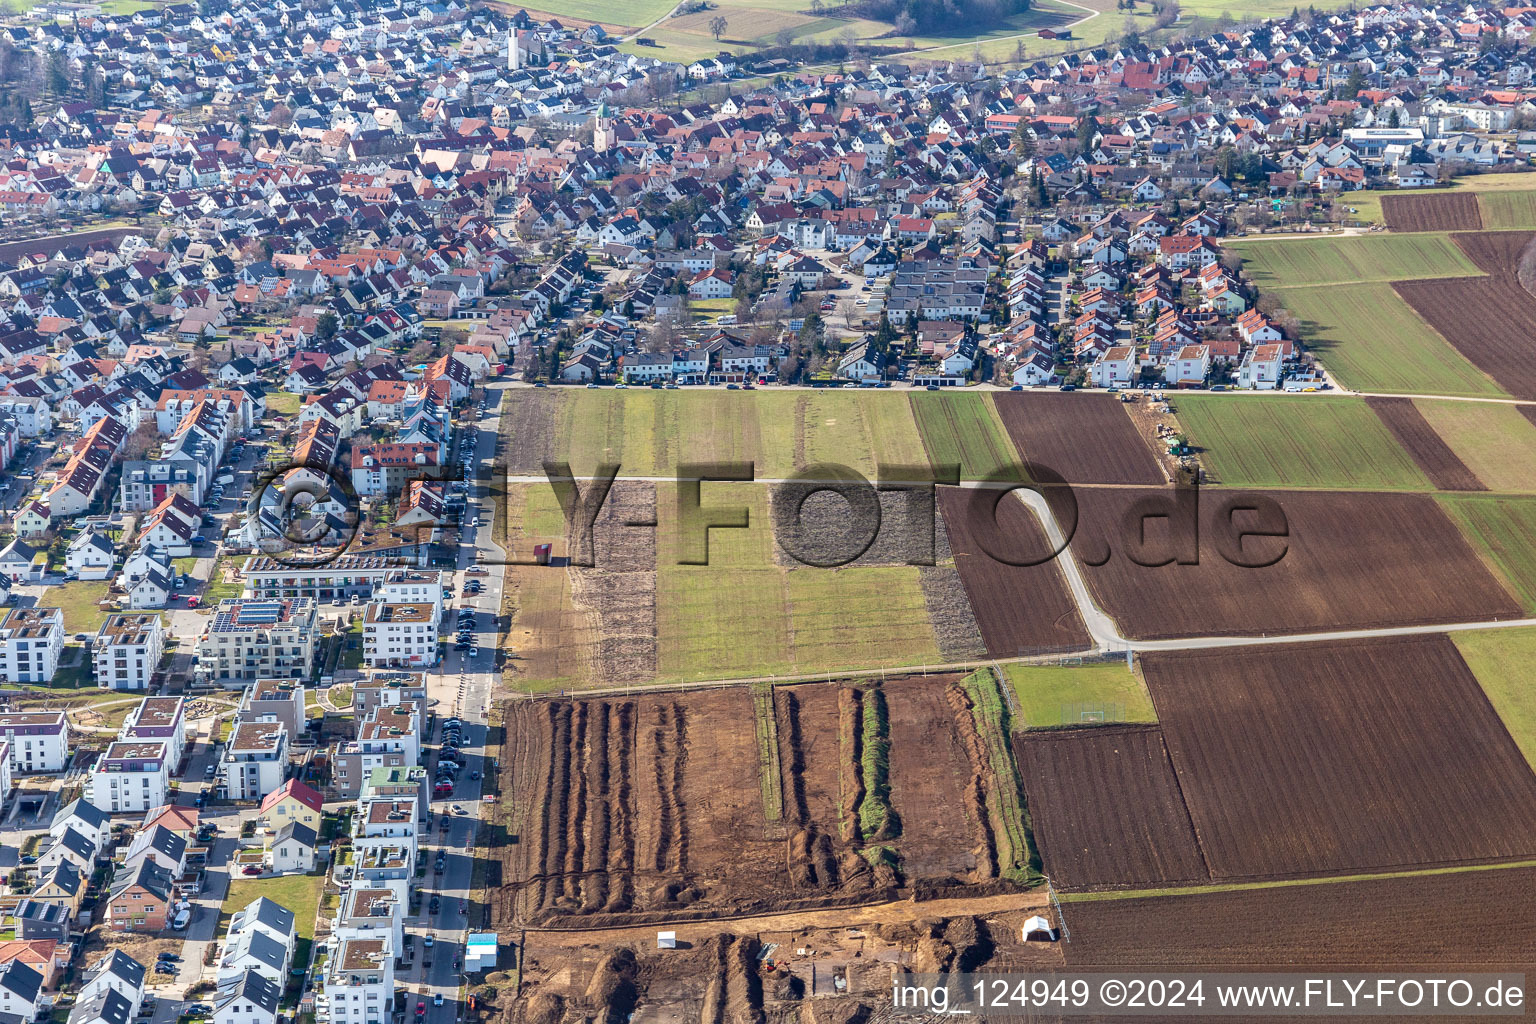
(461, 687)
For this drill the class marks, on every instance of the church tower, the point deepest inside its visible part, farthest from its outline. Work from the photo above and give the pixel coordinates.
(514, 53)
(603, 135)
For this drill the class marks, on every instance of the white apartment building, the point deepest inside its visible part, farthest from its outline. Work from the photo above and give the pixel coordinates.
(386, 824)
(159, 718)
(369, 913)
(31, 640)
(130, 777)
(400, 635)
(39, 740)
(252, 639)
(128, 646)
(360, 982)
(275, 700)
(412, 586)
(255, 761)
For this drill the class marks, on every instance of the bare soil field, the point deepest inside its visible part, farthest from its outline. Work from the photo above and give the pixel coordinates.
(1428, 449)
(1106, 808)
(714, 976)
(1085, 438)
(619, 592)
(1341, 757)
(528, 429)
(1450, 211)
(1366, 925)
(1019, 609)
(654, 807)
(1348, 561)
(1490, 320)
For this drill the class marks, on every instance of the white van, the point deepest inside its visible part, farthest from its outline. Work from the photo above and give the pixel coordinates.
(181, 919)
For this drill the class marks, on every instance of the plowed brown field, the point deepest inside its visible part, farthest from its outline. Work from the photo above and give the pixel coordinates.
(1019, 609)
(1362, 925)
(1489, 319)
(1427, 448)
(1452, 211)
(1107, 809)
(1341, 757)
(1351, 560)
(1087, 439)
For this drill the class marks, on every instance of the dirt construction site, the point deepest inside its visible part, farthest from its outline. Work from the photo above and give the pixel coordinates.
(663, 807)
(854, 828)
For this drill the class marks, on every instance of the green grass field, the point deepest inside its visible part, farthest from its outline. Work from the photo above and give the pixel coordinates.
(80, 603)
(1501, 659)
(1335, 443)
(1391, 350)
(1508, 208)
(1329, 260)
(1495, 441)
(962, 427)
(649, 433)
(1050, 696)
(745, 615)
(283, 403)
(1503, 528)
(610, 13)
(298, 893)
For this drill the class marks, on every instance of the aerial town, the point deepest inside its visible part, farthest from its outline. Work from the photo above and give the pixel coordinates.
(456, 556)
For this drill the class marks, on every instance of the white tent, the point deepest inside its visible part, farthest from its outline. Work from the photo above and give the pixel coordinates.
(1038, 927)
(666, 940)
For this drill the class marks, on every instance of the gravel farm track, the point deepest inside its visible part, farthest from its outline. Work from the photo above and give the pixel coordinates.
(1491, 319)
(1086, 439)
(1427, 448)
(1445, 211)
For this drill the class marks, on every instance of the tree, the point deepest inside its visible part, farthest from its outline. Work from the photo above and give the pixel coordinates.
(1087, 128)
(717, 26)
(1354, 84)
(1023, 141)
(325, 327)
(57, 76)
(1018, 52)
(1395, 118)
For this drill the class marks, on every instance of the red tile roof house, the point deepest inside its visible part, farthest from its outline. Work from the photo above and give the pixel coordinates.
(47, 957)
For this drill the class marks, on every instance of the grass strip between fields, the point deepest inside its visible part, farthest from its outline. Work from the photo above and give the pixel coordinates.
(878, 820)
(1209, 890)
(1017, 858)
(769, 769)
